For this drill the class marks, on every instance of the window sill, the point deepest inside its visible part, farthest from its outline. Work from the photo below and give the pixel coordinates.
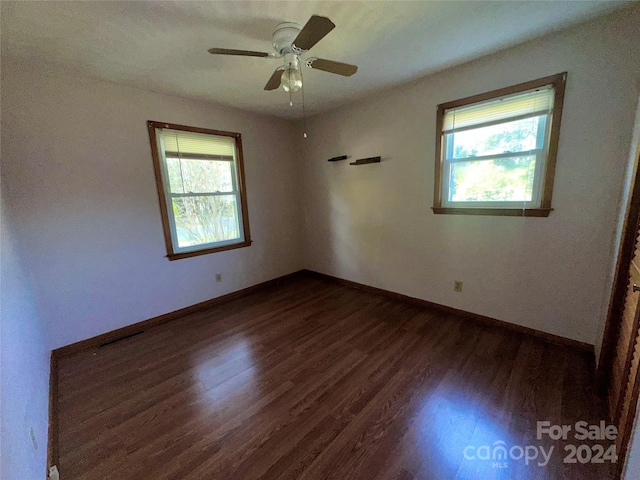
(206, 251)
(497, 212)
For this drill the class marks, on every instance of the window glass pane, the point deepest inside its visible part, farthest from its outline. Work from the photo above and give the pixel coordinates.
(199, 176)
(513, 137)
(206, 219)
(499, 180)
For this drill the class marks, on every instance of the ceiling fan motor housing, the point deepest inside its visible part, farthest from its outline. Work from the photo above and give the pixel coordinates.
(283, 37)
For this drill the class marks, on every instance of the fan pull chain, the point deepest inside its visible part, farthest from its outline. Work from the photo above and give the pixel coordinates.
(304, 119)
(290, 100)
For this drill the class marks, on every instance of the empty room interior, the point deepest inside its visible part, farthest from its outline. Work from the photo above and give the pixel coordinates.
(373, 240)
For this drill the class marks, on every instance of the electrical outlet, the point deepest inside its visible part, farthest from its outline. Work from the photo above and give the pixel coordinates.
(218, 277)
(32, 437)
(457, 286)
(53, 473)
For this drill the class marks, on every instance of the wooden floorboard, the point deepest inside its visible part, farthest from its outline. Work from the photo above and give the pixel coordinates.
(314, 380)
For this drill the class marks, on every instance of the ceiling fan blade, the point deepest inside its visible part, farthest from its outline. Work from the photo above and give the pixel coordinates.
(344, 69)
(314, 31)
(244, 53)
(274, 81)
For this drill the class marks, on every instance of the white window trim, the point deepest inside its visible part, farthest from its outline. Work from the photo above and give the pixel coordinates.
(170, 196)
(541, 160)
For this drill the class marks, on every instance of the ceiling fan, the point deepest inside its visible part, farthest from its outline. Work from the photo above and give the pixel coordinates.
(290, 41)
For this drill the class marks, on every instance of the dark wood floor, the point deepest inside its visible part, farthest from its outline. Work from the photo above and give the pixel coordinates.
(314, 380)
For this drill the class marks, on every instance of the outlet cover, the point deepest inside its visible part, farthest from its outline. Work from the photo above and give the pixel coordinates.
(53, 473)
(218, 277)
(457, 286)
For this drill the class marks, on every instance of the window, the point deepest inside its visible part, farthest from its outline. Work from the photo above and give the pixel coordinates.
(201, 188)
(496, 152)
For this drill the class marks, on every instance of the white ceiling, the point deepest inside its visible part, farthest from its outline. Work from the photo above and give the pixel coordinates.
(162, 45)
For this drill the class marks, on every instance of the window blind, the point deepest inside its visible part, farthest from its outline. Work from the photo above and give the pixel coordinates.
(518, 105)
(180, 144)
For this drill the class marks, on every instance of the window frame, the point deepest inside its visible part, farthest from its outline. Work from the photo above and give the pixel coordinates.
(159, 167)
(558, 83)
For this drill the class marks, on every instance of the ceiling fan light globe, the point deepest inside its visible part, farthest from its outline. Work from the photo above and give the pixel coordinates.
(291, 80)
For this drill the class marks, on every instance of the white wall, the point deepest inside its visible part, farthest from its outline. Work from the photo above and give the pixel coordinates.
(24, 363)
(76, 154)
(373, 224)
